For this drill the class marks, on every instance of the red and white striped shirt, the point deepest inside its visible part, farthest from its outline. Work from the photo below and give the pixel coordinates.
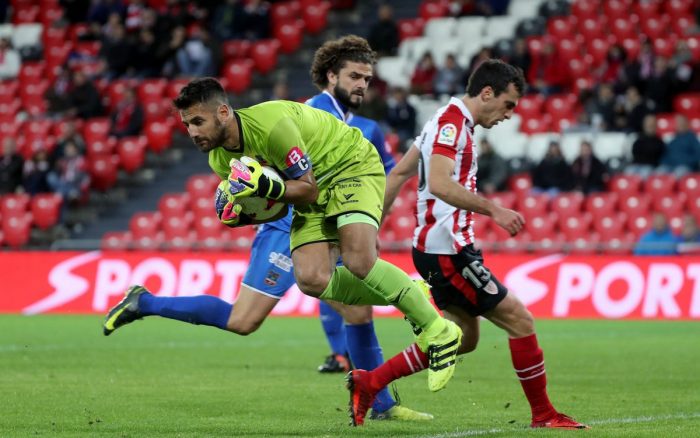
(442, 228)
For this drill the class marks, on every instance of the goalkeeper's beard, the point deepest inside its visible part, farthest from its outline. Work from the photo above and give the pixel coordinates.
(219, 138)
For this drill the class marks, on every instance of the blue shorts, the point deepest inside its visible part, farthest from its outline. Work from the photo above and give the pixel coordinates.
(270, 271)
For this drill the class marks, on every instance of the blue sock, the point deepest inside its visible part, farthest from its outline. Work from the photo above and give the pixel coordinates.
(366, 354)
(201, 309)
(333, 327)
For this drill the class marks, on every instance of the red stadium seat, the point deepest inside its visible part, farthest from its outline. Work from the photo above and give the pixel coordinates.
(520, 183)
(541, 227)
(623, 29)
(654, 27)
(240, 238)
(530, 106)
(638, 225)
(284, 12)
(264, 55)
(38, 127)
(690, 185)
(174, 86)
(616, 9)
(665, 123)
(290, 35)
(481, 226)
(576, 227)
(625, 185)
(148, 243)
(202, 186)
(16, 229)
(159, 135)
(621, 244)
(50, 15)
(632, 47)
(14, 204)
(665, 47)
(115, 90)
(157, 110)
(235, 49)
(46, 209)
(239, 75)
(144, 224)
(533, 205)
(54, 36)
(26, 14)
(659, 185)
(568, 49)
(669, 204)
(646, 10)
(561, 104)
(598, 49)
(583, 9)
(97, 129)
(31, 72)
(210, 232)
(567, 204)
(687, 104)
(174, 204)
(600, 204)
(202, 205)
(9, 128)
(562, 27)
(101, 147)
(176, 226)
(410, 28)
(609, 226)
(536, 125)
(151, 90)
(103, 171)
(8, 91)
(678, 8)
(682, 25)
(591, 28)
(116, 241)
(132, 152)
(432, 9)
(636, 205)
(504, 199)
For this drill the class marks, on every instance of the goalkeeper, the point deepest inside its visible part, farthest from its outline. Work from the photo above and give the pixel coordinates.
(336, 184)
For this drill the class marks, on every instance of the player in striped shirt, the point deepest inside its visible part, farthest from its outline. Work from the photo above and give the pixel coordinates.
(444, 157)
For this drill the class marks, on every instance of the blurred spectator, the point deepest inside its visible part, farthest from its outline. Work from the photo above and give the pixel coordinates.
(58, 95)
(492, 169)
(647, 149)
(257, 19)
(609, 71)
(590, 174)
(682, 153)
(630, 111)
(145, 63)
(448, 78)
(681, 63)
(384, 35)
(134, 15)
(520, 57)
(482, 55)
(401, 116)
(601, 108)
(11, 164)
(75, 11)
(4, 4)
(68, 135)
(117, 52)
(92, 33)
(168, 50)
(553, 174)
(423, 75)
(280, 91)
(373, 106)
(112, 26)
(637, 72)
(127, 118)
(546, 74)
(69, 177)
(661, 86)
(689, 238)
(100, 10)
(657, 241)
(35, 172)
(195, 58)
(228, 20)
(85, 100)
(10, 61)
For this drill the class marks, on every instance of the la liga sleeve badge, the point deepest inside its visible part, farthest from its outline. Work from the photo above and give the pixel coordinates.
(447, 134)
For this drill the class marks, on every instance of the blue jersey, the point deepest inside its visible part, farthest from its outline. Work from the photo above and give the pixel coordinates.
(370, 130)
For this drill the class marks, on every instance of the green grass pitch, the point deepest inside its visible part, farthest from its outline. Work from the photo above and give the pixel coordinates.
(59, 377)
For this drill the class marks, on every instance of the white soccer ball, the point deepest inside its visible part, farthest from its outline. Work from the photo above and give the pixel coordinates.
(263, 209)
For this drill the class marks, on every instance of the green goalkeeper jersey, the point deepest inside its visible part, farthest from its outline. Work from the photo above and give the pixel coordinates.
(294, 138)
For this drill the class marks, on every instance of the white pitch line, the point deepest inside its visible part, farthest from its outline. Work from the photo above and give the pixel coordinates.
(629, 420)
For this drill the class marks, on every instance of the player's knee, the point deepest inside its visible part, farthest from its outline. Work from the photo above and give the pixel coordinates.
(357, 315)
(359, 262)
(313, 283)
(468, 345)
(524, 325)
(243, 327)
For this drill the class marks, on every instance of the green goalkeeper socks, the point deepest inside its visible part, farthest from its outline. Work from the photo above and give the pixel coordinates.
(385, 285)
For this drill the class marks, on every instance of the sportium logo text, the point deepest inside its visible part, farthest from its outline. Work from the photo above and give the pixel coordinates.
(553, 286)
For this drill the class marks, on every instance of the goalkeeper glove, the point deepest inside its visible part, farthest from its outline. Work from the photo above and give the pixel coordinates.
(248, 179)
(227, 210)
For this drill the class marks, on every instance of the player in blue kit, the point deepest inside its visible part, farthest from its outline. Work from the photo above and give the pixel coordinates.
(346, 69)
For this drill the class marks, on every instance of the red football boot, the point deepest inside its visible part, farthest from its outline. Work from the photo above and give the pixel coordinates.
(361, 396)
(559, 421)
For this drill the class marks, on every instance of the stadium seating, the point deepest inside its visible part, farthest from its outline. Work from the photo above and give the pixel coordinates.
(46, 210)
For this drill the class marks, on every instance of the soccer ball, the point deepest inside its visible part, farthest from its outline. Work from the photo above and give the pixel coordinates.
(258, 209)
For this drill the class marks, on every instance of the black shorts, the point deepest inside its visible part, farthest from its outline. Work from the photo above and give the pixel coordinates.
(460, 280)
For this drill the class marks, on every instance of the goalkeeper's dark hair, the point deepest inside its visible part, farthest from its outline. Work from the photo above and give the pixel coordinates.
(496, 74)
(201, 90)
(333, 55)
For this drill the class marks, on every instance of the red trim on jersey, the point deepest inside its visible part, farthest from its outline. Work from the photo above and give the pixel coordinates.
(429, 221)
(449, 271)
(464, 168)
(447, 151)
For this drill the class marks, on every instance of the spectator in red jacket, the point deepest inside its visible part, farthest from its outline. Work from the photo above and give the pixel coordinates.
(127, 118)
(423, 75)
(548, 74)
